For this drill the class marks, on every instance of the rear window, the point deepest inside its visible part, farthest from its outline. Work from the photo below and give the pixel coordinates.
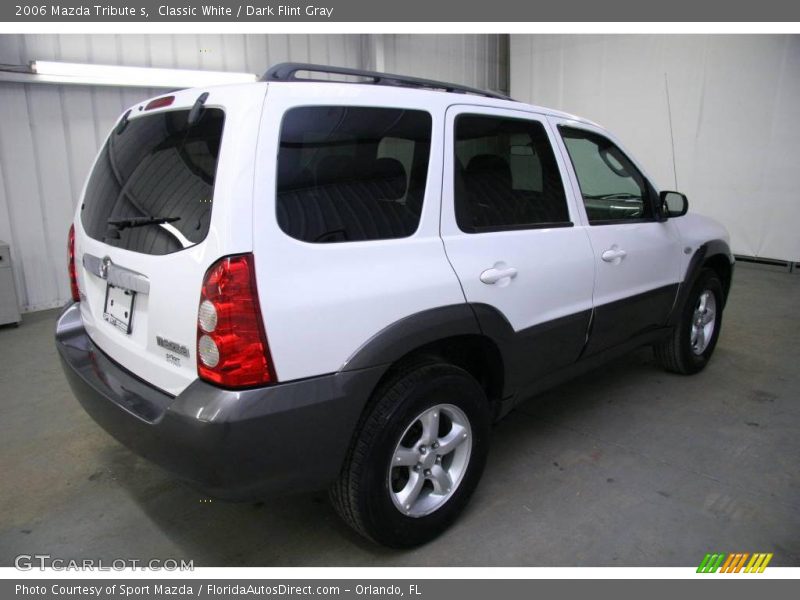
(152, 188)
(348, 173)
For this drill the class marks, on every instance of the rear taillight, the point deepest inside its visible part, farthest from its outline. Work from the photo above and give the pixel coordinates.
(232, 349)
(73, 274)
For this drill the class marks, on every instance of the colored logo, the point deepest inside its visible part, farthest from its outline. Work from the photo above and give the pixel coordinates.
(735, 562)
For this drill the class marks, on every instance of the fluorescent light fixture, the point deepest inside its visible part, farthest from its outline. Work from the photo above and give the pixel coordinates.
(86, 74)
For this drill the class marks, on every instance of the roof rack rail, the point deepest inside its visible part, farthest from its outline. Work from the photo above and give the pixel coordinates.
(288, 72)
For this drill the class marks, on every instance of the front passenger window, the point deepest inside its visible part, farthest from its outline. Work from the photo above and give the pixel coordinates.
(613, 189)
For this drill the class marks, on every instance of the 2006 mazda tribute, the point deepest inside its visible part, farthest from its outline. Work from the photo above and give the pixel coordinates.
(295, 284)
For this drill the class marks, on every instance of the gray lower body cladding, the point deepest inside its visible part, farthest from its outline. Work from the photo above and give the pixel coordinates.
(237, 445)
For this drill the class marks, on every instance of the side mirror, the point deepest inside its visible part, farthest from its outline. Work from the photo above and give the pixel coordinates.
(673, 204)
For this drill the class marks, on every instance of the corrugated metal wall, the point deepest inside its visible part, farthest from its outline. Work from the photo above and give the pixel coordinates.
(476, 60)
(49, 134)
(727, 103)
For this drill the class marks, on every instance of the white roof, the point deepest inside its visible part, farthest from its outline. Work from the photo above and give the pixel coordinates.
(382, 93)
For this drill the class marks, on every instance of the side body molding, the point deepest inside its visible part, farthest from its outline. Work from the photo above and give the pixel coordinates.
(531, 357)
(536, 351)
(526, 355)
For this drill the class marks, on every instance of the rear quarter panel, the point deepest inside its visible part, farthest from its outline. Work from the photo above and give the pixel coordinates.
(322, 302)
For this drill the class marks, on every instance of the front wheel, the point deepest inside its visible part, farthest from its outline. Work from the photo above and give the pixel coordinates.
(417, 457)
(688, 349)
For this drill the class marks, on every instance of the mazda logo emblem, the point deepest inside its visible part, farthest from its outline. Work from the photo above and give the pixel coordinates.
(104, 267)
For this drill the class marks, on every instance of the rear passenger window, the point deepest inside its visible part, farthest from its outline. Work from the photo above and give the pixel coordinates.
(506, 176)
(348, 173)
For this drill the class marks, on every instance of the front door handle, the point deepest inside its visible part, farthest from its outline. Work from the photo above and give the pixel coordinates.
(614, 255)
(500, 272)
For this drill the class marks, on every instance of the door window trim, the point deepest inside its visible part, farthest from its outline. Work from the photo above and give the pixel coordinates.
(285, 110)
(451, 115)
(517, 226)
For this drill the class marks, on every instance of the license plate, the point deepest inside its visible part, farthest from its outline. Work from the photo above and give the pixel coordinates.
(119, 307)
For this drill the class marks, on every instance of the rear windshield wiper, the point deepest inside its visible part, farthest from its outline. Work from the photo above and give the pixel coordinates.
(120, 224)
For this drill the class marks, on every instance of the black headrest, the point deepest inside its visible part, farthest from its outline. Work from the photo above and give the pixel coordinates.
(386, 168)
(491, 165)
(391, 173)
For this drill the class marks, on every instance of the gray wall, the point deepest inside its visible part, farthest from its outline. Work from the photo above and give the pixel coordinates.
(729, 103)
(49, 134)
(477, 60)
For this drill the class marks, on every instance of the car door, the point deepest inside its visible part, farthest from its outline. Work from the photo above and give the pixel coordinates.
(509, 230)
(637, 256)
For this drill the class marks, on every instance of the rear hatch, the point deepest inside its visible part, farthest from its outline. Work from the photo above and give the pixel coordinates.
(166, 198)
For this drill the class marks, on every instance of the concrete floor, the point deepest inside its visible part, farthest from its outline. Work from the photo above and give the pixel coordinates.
(626, 466)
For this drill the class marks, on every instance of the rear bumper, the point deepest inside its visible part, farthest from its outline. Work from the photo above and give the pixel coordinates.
(236, 445)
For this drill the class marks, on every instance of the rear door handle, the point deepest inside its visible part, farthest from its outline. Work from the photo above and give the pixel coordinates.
(499, 272)
(614, 255)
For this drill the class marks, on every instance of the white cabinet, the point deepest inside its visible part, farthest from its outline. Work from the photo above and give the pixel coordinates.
(9, 310)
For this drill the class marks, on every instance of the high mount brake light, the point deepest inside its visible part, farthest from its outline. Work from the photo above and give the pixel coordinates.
(160, 102)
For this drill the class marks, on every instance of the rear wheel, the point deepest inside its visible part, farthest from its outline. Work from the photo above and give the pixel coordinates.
(417, 457)
(689, 347)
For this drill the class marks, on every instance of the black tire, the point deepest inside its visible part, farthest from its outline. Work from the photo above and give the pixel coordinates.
(362, 494)
(676, 353)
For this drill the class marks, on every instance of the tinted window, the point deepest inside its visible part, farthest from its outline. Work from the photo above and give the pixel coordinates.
(506, 175)
(157, 168)
(350, 173)
(613, 189)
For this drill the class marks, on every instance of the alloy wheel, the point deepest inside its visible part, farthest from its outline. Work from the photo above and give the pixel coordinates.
(704, 320)
(430, 460)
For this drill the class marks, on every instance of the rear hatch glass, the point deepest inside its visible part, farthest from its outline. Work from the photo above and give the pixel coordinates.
(152, 187)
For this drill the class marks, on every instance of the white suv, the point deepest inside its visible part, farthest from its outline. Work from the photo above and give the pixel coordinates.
(295, 284)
